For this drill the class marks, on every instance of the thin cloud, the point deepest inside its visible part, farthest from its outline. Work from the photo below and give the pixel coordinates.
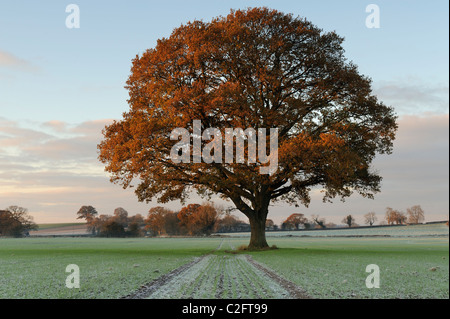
(55, 170)
(57, 126)
(13, 135)
(11, 61)
(51, 141)
(412, 96)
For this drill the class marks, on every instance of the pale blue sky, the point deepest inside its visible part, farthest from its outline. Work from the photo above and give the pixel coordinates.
(60, 86)
(76, 75)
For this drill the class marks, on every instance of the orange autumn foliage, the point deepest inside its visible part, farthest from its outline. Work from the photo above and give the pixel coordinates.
(257, 68)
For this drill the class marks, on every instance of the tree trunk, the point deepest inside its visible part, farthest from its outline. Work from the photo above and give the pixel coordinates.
(258, 232)
(257, 216)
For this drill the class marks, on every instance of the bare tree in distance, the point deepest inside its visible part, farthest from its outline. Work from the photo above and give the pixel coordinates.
(319, 221)
(415, 214)
(370, 218)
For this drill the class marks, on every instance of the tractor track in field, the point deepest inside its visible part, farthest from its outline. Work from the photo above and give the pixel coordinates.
(230, 276)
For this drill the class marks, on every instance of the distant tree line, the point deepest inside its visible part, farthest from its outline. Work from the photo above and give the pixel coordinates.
(413, 215)
(116, 225)
(16, 222)
(207, 218)
(192, 220)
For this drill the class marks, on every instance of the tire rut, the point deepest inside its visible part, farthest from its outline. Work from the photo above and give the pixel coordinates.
(232, 276)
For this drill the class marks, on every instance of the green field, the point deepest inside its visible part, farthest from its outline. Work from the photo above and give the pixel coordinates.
(109, 267)
(332, 267)
(336, 267)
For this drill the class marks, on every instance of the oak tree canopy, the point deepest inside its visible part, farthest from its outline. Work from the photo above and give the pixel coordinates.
(254, 68)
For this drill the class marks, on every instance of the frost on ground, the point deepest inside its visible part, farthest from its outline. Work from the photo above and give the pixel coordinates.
(221, 277)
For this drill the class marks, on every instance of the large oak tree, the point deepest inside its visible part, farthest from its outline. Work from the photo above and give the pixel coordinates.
(254, 68)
